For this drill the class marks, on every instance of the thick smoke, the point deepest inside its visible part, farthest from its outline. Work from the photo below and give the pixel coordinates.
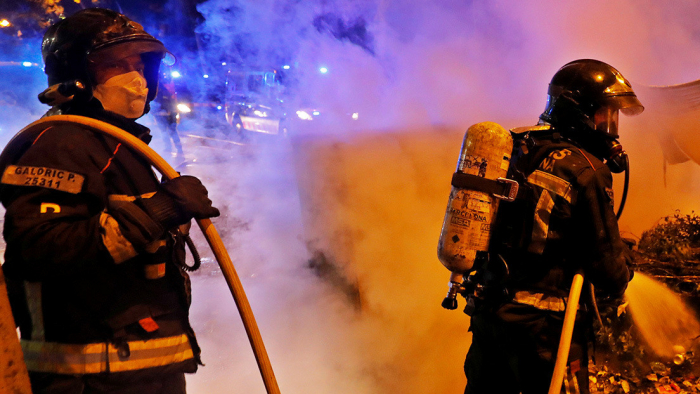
(371, 193)
(334, 231)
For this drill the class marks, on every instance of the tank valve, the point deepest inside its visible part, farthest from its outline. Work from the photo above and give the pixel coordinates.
(450, 301)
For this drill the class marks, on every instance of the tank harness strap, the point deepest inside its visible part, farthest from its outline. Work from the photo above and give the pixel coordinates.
(63, 358)
(503, 188)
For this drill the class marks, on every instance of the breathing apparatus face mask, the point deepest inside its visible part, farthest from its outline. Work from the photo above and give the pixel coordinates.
(606, 121)
(124, 94)
(617, 160)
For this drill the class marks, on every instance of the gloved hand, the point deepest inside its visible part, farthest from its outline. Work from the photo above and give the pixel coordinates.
(181, 199)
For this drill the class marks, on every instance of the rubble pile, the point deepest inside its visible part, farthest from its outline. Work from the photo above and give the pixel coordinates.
(669, 253)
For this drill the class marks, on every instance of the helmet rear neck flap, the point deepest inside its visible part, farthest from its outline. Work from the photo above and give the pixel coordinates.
(72, 46)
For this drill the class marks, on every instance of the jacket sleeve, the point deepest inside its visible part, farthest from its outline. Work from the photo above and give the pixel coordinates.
(50, 229)
(604, 254)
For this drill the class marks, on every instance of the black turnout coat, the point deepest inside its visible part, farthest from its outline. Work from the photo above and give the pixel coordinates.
(73, 277)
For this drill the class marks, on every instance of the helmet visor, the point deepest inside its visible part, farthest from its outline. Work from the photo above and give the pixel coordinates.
(619, 95)
(119, 51)
(628, 103)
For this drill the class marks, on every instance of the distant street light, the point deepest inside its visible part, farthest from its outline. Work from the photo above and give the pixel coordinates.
(5, 23)
(323, 70)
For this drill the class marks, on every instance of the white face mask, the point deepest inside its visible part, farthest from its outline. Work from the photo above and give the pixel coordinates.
(124, 94)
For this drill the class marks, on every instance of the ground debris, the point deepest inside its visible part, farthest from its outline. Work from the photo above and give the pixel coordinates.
(669, 253)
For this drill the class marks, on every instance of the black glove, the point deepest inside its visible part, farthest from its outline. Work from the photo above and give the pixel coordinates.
(181, 199)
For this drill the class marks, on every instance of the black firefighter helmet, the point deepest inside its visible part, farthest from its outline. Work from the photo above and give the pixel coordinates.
(586, 95)
(91, 36)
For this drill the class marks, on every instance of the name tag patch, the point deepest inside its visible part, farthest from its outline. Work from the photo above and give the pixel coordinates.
(45, 177)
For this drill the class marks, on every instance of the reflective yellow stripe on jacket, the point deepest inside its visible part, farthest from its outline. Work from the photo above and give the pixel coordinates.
(551, 184)
(102, 357)
(540, 301)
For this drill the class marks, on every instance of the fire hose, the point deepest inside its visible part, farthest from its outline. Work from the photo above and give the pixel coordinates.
(567, 332)
(210, 233)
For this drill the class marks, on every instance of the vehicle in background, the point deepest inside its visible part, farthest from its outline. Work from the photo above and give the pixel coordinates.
(254, 103)
(259, 103)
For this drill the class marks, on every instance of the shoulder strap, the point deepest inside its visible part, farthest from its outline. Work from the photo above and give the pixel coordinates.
(503, 188)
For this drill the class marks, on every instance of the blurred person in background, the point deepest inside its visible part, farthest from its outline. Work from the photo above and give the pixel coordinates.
(167, 117)
(95, 258)
(562, 221)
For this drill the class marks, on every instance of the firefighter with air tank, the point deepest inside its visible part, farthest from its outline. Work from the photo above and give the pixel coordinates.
(95, 259)
(515, 234)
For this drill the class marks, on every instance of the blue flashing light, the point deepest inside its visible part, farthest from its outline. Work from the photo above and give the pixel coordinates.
(175, 74)
(286, 67)
(218, 107)
(27, 64)
(206, 75)
(323, 70)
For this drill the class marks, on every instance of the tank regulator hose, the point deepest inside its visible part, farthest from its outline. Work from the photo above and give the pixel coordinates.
(626, 188)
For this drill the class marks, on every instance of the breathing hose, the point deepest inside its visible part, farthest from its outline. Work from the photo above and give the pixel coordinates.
(624, 191)
(567, 332)
(205, 225)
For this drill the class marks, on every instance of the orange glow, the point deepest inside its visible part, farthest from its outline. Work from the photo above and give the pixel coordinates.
(52, 7)
(5, 23)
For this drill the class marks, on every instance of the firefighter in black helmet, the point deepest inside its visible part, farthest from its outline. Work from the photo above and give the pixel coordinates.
(95, 252)
(562, 221)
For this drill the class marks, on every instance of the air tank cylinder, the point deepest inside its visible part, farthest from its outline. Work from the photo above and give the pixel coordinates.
(466, 229)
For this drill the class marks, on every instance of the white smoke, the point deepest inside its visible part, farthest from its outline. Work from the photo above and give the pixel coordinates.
(422, 65)
(424, 72)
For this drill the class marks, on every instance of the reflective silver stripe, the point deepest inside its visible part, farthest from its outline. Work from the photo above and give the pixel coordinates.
(64, 358)
(571, 382)
(101, 357)
(540, 301)
(145, 354)
(117, 245)
(540, 229)
(32, 291)
(554, 184)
